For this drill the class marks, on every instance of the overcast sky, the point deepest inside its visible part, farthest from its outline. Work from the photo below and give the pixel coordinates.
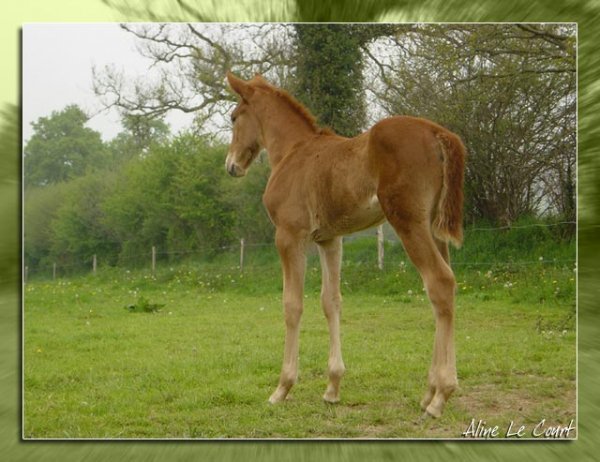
(57, 71)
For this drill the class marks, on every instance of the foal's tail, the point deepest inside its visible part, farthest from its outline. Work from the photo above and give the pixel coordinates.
(447, 225)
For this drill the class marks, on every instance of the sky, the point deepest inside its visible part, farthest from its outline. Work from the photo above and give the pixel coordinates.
(57, 71)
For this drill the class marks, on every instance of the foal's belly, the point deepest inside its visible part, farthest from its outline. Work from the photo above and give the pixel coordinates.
(367, 214)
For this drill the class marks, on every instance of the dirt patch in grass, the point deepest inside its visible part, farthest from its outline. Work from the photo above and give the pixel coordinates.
(523, 405)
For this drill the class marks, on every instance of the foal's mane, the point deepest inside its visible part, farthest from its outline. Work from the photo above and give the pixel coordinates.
(297, 107)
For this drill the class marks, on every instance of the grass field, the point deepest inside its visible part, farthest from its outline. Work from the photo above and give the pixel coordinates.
(96, 365)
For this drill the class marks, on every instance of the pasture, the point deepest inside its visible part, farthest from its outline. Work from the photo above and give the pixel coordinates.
(203, 359)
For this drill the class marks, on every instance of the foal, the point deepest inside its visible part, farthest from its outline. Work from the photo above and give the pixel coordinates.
(322, 186)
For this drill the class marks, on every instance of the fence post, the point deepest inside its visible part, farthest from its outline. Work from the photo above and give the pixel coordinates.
(380, 249)
(25, 275)
(153, 259)
(54, 271)
(241, 255)
(94, 264)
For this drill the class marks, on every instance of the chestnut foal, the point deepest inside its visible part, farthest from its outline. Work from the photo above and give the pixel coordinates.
(322, 186)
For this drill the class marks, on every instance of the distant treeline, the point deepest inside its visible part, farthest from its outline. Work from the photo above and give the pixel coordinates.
(507, 89)
(143, 189)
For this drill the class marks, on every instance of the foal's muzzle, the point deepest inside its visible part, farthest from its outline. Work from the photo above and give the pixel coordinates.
(234, 170)
(231, 169)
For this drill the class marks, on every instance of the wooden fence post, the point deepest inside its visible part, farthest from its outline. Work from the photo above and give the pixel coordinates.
(153, 259)
(94, 264)
(241, 255)
(380, 249)
(54, 271)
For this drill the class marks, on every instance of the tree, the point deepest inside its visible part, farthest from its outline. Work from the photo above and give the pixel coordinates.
(138, 209)
(321, 64)
(78, 227)
(245, 199)
(191, 62)
(329, 62)
(62, 148)
(204, 219)
(509, 91)
(173, 198)
(40, 210)
(329, 75)
(139, 134)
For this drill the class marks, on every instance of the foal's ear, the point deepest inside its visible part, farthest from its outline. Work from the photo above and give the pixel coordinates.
(259, 78)
(241, 87)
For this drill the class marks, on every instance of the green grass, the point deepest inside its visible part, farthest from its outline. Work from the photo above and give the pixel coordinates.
(204, 365)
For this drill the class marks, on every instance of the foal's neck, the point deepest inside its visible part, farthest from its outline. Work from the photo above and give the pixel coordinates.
(281, 131)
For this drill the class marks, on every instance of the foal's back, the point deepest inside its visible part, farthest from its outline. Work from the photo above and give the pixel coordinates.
(323, 187)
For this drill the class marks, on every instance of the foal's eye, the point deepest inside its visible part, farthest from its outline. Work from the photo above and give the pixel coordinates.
(233, 117)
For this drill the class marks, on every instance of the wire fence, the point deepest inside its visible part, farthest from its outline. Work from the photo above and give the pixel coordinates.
(381, 248)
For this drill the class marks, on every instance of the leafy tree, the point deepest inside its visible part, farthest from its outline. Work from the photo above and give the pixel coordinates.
(172, 198)
(329, 75)
(139, 133)
(138, 210)
(40, 209)
(330, 71)
(204, 219)
(509, 91)
(78, 227)
(62, 148)
(245, 198)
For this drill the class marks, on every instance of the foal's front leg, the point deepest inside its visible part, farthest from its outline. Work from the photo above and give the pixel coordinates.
(293, 263)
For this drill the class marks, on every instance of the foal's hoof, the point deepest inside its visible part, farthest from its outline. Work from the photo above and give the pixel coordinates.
(279, 395)
(434, 406)
(275, 400)
(428, 414)
(433, 411)
(330, 399)
(426, 400)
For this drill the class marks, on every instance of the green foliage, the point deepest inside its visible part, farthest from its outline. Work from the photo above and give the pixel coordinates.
(174, 195)
(62, 148)
(139, 134)
(9, 192)
(245, 198)
(144, 306)
(78, 228)
(138, 209)
(40, 208)
(9, 142)
(172, 198)
(196, 191)
(342, 10)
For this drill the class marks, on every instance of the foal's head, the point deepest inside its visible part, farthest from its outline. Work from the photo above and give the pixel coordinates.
(246, 141)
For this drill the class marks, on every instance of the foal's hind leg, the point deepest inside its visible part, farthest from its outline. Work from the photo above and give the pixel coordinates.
(331, 300)
(443, 248)
(431, 260)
